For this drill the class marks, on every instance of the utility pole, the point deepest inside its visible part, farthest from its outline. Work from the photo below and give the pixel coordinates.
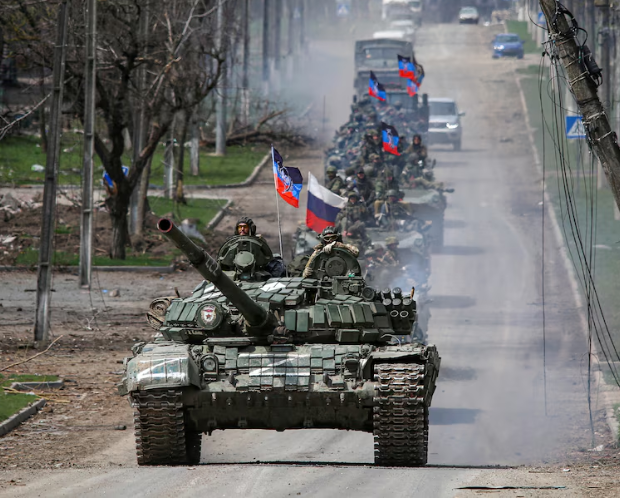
(48, 221)
(302, 26)
(86, 229)
(266, 37)
(136, 207)
(220, 98)
(277, 27)
(602, 139)
(290, 41)
(245, 64)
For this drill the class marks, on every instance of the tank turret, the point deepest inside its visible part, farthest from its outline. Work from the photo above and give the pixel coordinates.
(255, 315)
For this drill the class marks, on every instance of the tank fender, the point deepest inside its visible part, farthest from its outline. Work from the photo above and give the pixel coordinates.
(421, 355)
(161, 365)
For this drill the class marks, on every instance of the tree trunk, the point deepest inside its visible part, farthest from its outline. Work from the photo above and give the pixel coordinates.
(179, 196)
(118, 207)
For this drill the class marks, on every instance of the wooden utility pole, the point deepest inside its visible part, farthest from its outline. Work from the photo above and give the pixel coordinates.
(86, 229)
(601, 138)
(220, 98)
(48, 221)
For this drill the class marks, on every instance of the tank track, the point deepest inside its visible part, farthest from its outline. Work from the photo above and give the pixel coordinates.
(400, 415)
(163, 434)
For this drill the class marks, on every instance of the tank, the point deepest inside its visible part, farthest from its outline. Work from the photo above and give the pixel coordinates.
(429, 205)
(286, 353)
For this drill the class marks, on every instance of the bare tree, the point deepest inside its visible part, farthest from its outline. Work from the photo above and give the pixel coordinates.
(182, 66)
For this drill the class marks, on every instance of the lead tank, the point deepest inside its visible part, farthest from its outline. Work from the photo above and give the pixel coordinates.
(287, 353)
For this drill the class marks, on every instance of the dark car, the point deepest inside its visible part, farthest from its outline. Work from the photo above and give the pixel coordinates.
(507, 44)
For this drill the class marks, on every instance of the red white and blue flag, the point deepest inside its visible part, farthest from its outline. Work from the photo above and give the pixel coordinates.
(406, 68)
(390, 139)
(375, 89)
(288, 181)
(323, 205)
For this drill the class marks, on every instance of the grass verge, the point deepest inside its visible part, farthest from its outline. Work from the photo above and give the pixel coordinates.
(588, 200)
(520, 28)
(10, 403)
(18, 154)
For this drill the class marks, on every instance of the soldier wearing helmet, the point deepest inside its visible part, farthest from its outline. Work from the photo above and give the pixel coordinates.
(390, 256)
(417, 151)
(330, 238)
(245, 226)
(392, 209)
(364, 186)
(387, 181)
(332, 181)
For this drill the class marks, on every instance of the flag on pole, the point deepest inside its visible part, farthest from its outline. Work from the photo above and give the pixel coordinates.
(323, 205)
(405, 67)
(390, 139)
(418, 73)
(288, 181)
(375, 89)
(412, 88)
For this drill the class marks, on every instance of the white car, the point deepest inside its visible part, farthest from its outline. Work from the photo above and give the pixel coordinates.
(390, 35)
(444, 122)
(405, 25)
(468, 15)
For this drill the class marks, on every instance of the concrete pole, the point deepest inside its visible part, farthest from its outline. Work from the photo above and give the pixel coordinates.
(48, 221)
(277, 42)
(245, 83)
(266, 38)
(86, 228)
(220, 98)
(290, 39)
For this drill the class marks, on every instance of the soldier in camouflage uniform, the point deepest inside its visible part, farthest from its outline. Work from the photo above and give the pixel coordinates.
(390, 256)
(351, 221)
(332, 181)
(386, 182)
(364, 186)
(329, 238)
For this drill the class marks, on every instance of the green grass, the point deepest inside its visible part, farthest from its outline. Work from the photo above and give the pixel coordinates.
(10, 404)
(202, 209)
(520, 28)
(607, 255)
(19, 153)
(30, 257)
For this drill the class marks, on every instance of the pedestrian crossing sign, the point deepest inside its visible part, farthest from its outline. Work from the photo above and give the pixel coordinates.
(574, 127)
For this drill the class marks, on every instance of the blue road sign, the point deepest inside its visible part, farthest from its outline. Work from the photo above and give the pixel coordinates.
(343, 9)
(542, 20)
(108, 180)
(574, 127)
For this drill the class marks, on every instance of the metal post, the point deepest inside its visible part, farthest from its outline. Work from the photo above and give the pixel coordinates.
(277, 28)
(220, 98)
(302, 25)
(290, 41)
(86, 229)
(245, 96)
(266, 36)
(46, 250)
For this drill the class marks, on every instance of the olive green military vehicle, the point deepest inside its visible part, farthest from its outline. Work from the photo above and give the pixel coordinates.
(429, 205)
(286, 353)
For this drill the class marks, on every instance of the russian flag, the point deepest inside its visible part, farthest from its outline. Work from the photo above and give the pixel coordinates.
(405, 67)
(323, 205)
(288, 181)
(390, 138)
(375, 89)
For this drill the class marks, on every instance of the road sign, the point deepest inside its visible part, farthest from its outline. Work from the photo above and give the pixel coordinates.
(574, 127)
(343, 9)
(542, 20)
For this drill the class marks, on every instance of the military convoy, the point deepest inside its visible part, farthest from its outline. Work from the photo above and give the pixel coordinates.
(249, 352)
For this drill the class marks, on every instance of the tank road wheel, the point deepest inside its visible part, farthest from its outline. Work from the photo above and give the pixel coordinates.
(400, 416)
(163, 435)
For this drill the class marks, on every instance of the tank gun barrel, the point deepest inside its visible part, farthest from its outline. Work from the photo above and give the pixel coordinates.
(254, 314)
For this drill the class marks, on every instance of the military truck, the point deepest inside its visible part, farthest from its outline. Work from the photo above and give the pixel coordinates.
(286, 353)
(381, 57)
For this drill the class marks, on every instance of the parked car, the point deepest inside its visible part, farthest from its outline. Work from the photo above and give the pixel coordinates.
(469, 15)
(390, 35)
(405, 25)
(444, 122)
(507, 44)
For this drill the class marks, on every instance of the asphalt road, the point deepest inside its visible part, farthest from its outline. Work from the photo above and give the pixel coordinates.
(495, 403)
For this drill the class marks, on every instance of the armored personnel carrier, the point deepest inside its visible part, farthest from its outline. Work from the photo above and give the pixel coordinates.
(429, 205)
(286, 353)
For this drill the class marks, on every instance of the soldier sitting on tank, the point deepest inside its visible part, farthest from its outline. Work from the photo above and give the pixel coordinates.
(333, 182)
(392, 209)
(426, 180)
(330, 238)
(390, 255)
(248, 254)
(386, 182)
(364, 185)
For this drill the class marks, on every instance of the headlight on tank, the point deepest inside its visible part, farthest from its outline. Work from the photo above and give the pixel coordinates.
(209, 364)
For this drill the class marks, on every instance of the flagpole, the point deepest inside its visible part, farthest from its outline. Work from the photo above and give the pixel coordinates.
(275, 183)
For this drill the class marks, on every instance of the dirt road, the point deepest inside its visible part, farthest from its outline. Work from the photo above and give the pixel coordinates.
(499, 400)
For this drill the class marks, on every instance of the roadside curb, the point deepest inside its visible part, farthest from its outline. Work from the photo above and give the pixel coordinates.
(219, 216)
(612, 422)
(21, 416)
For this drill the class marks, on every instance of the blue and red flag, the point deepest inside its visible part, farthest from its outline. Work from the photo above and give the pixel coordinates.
(323, 205)
(412, 88)
(288, 181)
(406, 68)
(390, 139)
(418, 73)
(375, 89)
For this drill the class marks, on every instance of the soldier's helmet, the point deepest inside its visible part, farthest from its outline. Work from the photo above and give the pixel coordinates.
(391, 241)
(398, 104)
(244, 220)
(374, 157)
(361, 171)
(330, 234)
(392, 193)
(417, 139)
(352, 193)
(331, 169)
